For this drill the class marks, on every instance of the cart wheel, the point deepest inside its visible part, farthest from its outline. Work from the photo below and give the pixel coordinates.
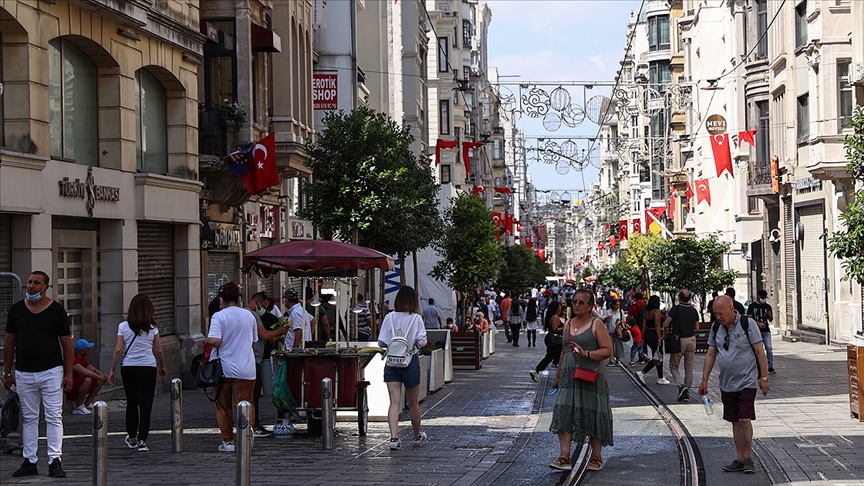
(362, 412)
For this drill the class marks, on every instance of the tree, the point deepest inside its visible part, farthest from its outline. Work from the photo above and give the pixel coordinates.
(849, 243)
(519, 270)
(639, 248)
(621, 275)
(468, 250)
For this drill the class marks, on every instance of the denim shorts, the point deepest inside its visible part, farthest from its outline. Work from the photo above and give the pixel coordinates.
(410, 376)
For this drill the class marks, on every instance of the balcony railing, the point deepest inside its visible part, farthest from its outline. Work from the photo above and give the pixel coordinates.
(759, 173)
(212, 131)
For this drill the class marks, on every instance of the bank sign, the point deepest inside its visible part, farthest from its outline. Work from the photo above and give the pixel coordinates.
(325, 91)
(88, 190)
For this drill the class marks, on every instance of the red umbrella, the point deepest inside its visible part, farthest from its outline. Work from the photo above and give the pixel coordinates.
(317, 257)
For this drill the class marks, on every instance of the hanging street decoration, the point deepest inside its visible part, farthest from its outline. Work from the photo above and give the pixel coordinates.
(622, 229)
(722, 155)
(477, 190)
(748, 136)
(443, 144)
(703, 191)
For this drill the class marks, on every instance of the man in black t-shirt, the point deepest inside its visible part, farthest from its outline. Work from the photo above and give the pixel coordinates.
(739, 307)
(682, 320)
(39, 342)
(761, 312)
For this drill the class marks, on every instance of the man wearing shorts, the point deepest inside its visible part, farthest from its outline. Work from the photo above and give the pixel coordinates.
(743, 366)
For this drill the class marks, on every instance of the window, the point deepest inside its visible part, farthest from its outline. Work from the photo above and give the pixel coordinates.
(753, 205)
(220, 70)
(763, 136)
(658, 182)
(496, 148)
(466, 33)
(637, 205)
(801, 24)
(659, 76)
(73, 103)
(466, 72)
(761, 29)
(844, 96)
(444, 116)
(658, 33)
(803, 117)
(445, 174)
(151, 131)
(778, 113)
(443, 54)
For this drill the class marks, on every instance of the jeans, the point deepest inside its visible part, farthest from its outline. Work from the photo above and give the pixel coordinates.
(769, 349)
(45, 387)
(636, 349)
(139, 383)
(688, 352)
(234, 391)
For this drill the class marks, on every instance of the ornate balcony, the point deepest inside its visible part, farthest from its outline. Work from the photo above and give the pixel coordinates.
(759, 179)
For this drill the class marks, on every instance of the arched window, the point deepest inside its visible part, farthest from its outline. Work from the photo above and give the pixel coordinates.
(151, 132)
(73, 104)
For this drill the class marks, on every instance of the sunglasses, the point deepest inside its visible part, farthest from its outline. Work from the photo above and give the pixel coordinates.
(726, 343)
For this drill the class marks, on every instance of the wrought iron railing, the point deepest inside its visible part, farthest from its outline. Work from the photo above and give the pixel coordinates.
(759, 173)
(212, 131)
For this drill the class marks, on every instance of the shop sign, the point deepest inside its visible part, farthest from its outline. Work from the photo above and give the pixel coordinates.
(299, 229)
(226, 237)
(325, 91)
(268, 222)
(716, 125)
(88, 190)
(319, 14)
(807, 184)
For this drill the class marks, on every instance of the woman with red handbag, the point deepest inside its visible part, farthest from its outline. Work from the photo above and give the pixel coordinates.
(582, 406)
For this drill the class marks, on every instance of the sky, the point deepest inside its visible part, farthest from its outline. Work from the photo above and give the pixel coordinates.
(558, 40)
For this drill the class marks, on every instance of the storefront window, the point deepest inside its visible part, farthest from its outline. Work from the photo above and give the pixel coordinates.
(73, 103)
(151, 133)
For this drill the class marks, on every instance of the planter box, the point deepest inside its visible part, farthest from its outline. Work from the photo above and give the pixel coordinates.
(425, 362)
(436, 370)
(467, 349)
(443, 335)
(493, 334)
(484, 339)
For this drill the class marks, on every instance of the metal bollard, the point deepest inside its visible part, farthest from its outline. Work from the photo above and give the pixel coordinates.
(176, 415)
(328, 427)
(243, 445)
(100, 443)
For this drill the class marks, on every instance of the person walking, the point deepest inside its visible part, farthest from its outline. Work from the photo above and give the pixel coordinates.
(554, 326)
(39, 343)
(614, 320)
(138, 341)
(736, 345)
(762, 313)
(653, 338)
(515, 318)
(582, 409)
(233, 332)
(405, 321)
(681, 320)
(506, 302)
(532, 321)
(431, 316)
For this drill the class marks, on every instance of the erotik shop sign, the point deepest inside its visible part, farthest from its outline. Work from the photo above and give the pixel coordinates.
(325, 91)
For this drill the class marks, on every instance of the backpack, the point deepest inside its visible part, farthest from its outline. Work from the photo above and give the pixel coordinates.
(745, 325)
(399, 351)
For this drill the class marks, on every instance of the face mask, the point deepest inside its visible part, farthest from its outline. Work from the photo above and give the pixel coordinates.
(33, 297)
(261, 311)
(761, 301)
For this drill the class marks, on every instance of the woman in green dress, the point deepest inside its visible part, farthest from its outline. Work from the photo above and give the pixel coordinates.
(582, 409)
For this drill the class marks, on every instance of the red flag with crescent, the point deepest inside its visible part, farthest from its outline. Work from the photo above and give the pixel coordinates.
(465, 158)
(261, 170)
(722, 155)
(496, 218)
(477, 190)
(508, 223)
(748, 136)
(703, 191)
(637, 227)
(612, 241)
(622, 229)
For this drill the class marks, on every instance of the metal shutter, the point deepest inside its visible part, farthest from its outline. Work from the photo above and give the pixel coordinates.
(812, 267)
(222, 267)
(789, 257)
(156, 271)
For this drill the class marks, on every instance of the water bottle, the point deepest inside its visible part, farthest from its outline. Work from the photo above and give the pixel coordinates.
(553, 391)
(707, 402)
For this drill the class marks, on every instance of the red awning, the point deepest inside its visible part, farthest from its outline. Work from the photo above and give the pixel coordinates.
(317, 257)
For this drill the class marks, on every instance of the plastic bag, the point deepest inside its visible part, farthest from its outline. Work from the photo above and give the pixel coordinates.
(10, 413)
(283, 399)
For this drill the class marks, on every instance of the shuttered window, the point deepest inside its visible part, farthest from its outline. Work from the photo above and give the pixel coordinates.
(789, 258)
(811, 259)
(156, 271)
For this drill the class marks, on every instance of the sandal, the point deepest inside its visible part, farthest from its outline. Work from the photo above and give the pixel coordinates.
(562, 464)
(595, 465)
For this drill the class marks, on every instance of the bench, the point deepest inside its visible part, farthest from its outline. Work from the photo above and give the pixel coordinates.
(702, 331)
(467, 349)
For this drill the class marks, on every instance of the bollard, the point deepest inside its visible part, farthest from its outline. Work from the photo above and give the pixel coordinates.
(328, 427)
(100, 443)
(243, 445)
(176, 415)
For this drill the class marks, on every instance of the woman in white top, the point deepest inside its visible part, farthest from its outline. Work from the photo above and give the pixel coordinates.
(138, 368)
(233, 332)
(406, 321)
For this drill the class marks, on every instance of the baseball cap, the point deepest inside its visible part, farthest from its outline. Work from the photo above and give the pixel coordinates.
(83, 344)
(291, 294)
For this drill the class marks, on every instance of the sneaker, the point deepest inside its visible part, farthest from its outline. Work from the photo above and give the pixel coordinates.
(683, 393)
(641, 376)
(749, 467)
(734, 466)
(131, 442)
(55, 470)
(226, 446)
(395, 444)
(534, 376)
(142, 446)
(420, 439)
(772, 370)
(81, 410)
(27, 469)
(259, 432)
(663, 381)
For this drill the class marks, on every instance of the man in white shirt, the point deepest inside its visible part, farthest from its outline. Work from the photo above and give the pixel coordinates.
(301, 321)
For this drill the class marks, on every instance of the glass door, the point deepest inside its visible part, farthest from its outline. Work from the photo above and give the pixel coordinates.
(70, 288)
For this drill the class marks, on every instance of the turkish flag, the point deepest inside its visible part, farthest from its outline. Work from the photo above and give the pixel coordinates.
(465, 158)
(637, 227)
(477, 190)
(622, 229)
(703, 191)
(722, 155)
(496, 218)
(541, 252)
(503, 190)
(612, 241)
(748, 136)
(528, 242)
(508, 223)
(601, 246)
(443, 144)
(261, 171)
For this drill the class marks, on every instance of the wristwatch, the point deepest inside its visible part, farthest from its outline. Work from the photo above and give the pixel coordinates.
(6, 375)
(764, 378)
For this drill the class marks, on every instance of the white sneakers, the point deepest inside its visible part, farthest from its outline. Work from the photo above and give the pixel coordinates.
(131, 443)
(226, 446)
(663, 381)
(420, 440)
(81, 410)
(641, 376)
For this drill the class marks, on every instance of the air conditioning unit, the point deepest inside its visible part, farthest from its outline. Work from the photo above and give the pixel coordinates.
(856, 73)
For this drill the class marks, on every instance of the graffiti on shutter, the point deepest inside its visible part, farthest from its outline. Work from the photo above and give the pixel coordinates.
(812, 266)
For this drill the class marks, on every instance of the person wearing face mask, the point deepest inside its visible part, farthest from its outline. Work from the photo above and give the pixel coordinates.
(258, 304)
(761, 312)
(39, 343)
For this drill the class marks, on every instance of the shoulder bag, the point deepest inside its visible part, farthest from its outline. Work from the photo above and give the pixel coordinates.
(210, 376)
(672, 341)
(582, 374)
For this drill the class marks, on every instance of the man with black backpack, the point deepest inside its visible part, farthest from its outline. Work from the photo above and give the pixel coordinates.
(736, 344)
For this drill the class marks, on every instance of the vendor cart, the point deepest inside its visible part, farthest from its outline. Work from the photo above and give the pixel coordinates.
(345, 369)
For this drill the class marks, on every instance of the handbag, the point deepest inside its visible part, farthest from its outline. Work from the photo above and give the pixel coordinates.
(210, 375)
(582, 374)
(553, 339)
(10, 414)
(625, 335)
(672, 341)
